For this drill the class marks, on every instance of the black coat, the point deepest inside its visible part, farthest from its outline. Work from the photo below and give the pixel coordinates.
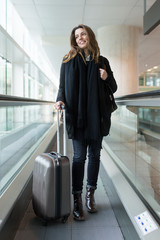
(104, 88)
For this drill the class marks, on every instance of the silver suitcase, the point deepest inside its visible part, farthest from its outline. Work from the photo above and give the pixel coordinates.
(51, 182)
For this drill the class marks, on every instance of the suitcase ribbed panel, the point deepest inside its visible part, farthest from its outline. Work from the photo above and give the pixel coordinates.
(44, 186)
(51, 186)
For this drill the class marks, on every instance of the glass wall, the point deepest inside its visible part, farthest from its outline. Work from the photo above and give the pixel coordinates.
(2, 75)
(5, 76)
(22, 128)
(150, 80)
(135, 142)
(3, 11)
(24, 72)
(24, 68)
(19, 76)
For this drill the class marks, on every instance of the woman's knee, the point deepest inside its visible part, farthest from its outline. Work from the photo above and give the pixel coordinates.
(79, 151)
(80, 159)
(94, 151)
(94, 154)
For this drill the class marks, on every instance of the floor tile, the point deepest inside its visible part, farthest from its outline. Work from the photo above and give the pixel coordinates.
(107, 233)
(58, 234)
(38, 234)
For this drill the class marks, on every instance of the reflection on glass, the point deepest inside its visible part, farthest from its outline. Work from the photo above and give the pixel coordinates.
(3, 13)
(150, 80)
(9, 78)
(135, 139)
(22, 73)
(2, 75)
(21, 129)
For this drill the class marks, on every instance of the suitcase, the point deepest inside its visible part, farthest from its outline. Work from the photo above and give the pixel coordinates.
(51, 182)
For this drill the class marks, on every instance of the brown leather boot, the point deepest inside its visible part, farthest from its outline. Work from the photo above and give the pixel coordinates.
(90, 201)
(78, 207)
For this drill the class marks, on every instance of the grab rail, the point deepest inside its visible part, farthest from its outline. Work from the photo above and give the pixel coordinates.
(16, 100)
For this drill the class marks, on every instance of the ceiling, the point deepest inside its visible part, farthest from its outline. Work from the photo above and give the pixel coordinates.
(51, 21)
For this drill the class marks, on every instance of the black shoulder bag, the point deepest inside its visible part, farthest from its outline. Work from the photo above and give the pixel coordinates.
(108, 90)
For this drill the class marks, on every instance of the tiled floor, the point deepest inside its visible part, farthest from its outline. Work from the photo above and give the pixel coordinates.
(99, 226)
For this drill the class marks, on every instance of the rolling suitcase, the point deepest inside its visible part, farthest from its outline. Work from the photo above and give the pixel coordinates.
(51, 182)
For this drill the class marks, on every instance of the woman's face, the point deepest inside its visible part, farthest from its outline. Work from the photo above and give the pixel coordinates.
(81, 37)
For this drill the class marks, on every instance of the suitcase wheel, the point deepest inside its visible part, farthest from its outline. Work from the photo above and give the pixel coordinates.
(64, 219)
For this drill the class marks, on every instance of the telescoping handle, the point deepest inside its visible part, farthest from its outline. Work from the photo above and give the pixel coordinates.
(64, 131)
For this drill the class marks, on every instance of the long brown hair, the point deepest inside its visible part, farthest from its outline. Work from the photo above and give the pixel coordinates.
(92, 46)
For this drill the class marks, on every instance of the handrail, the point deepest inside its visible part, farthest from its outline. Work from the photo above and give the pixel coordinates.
(152, 94)
(15, 100)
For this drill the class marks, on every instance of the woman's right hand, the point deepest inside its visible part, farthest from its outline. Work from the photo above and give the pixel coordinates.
(58, 104)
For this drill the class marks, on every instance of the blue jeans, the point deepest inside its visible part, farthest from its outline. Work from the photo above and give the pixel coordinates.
(79, 158)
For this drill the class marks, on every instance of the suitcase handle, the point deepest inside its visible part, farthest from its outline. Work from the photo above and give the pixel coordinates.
(64, 131)
(56, 154)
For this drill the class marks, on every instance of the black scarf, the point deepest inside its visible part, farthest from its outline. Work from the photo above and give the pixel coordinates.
(82, 97)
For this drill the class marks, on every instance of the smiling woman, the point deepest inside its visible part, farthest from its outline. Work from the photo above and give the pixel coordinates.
(84, 78)
(82, 39)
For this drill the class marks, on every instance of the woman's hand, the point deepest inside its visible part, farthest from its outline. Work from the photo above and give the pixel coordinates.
(103, 74)
(58, 104)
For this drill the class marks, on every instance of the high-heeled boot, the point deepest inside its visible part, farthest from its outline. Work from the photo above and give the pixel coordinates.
(78, 207)
(90, 201)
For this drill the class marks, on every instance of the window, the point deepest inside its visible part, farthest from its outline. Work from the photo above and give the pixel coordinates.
(2, 75)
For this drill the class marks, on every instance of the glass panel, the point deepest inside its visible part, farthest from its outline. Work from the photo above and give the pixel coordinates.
(9, 17)
(135, 140)
(123, 135)
(150, 80)
(3, 13)
(22, 128)
(31, 87)
(2, 75)
(141, 81)
(9, 77)
(148, 153)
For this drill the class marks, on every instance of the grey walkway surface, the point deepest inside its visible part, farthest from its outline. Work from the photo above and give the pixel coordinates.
(99, 226)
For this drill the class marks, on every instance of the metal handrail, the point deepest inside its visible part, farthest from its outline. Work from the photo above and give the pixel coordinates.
(151, 94)
(6, 100)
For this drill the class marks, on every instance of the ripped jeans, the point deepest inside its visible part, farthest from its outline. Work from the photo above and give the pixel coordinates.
(78, 165)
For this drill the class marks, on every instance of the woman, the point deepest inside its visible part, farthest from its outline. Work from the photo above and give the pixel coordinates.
(85, 81)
